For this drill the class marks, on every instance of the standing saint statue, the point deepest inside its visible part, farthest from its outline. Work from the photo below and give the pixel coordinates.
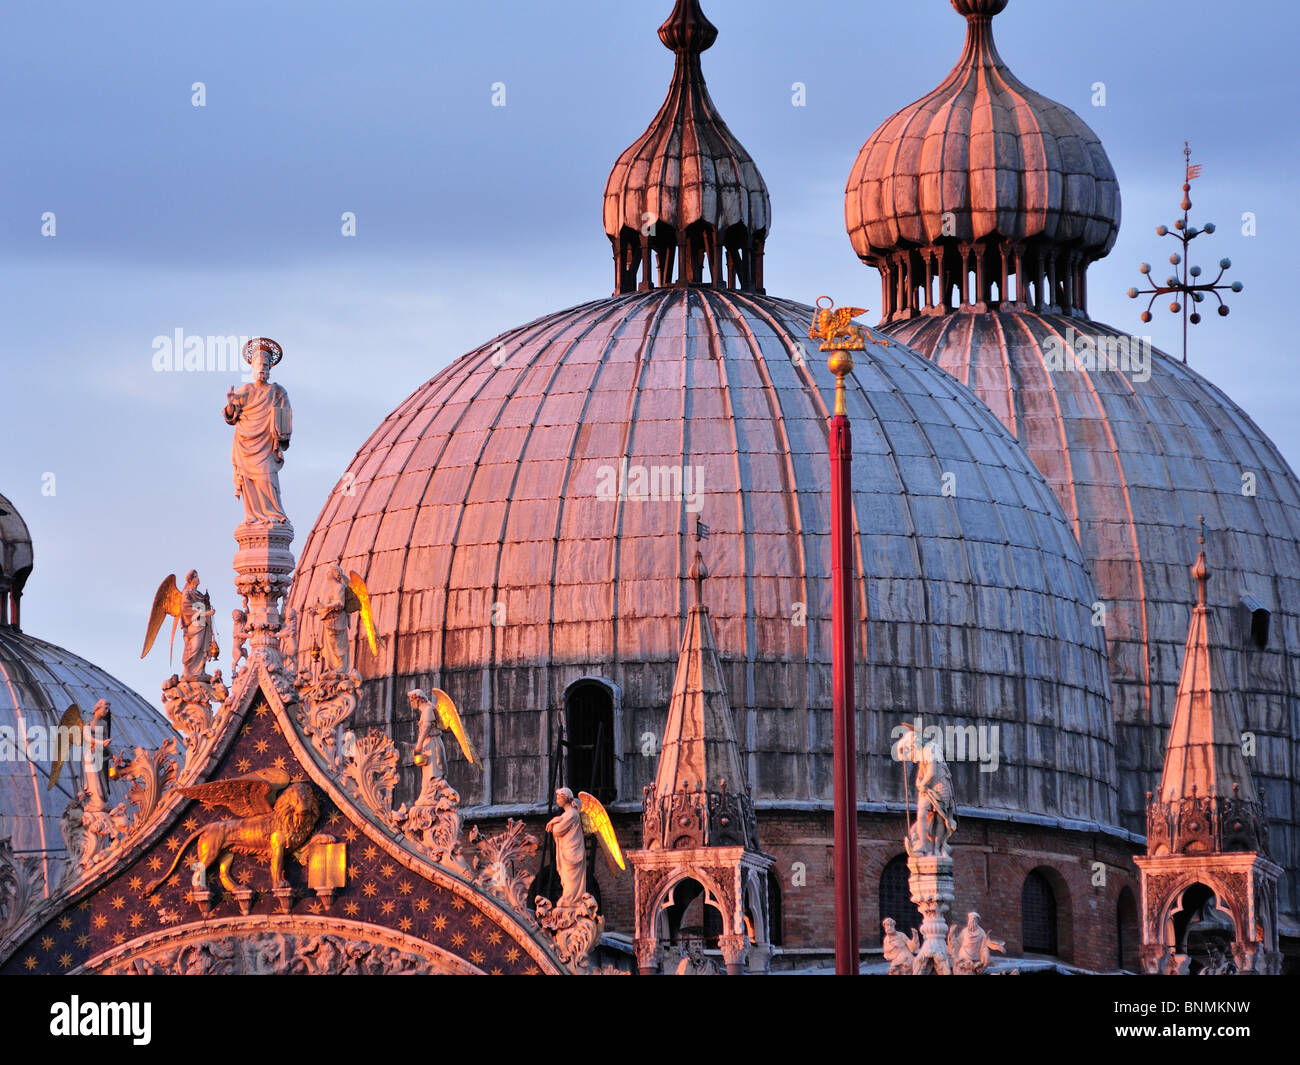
(570, 848)
(263, 422)
(332, 609)
(936, 817)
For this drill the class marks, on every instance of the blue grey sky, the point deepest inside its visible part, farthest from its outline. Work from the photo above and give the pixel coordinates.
(225, 219)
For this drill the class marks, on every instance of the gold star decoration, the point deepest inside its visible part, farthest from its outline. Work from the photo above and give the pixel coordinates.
(246, 730)
(99, 920)
(386, 870)
(30, 962)
(118, 902)
(353, 872)
(404, 924)
(263, 710)
(279, 763)
(496, 972)
(65, 960)
(119, 938)
(173, 844)
(369, 890)
(243, 765)
(135, 883)
(47, 942)
(512, 955)
(333, 818)
(84, 904)
(350, 834)
(315, 907)
(439, 923)
(244, 876)
(261, 746)
(476, 956)
(476, 920)
(371, 853)
(458, 939)
(137, 920)
(191, 823)
(387, 908)
(422, 905)
(154, 863)
(494, 937)
(351, 909)
(83, 941)
(405, 887)
(65, 922)
(458, 902)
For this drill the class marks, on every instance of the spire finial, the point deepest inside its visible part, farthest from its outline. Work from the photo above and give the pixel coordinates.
(979, 8)
(687, 30)
(699, 570)
(1201, 571)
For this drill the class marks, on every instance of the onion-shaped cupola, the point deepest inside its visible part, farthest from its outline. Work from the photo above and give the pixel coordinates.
(15, 561)
(982, 194)
(686, 195)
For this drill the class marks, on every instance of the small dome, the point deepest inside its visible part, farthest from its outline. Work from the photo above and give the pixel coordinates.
(686, 191)
(38, 682)
(982, 176)
(15, 555)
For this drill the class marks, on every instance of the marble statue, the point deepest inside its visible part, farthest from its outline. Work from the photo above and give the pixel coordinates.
(332, 610)
(196, 627)
(238, 639)
(970, 945)
(570, 848)
(430, 753)
(94, 750)
(900, 951)
(936, 817)
(263, 422)
(289, 639)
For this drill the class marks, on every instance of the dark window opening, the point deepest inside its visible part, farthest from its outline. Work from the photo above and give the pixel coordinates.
(773, 910)
(589, 726)
(896, 897)
(1259, 621)
(691, 918)
(1038, 915)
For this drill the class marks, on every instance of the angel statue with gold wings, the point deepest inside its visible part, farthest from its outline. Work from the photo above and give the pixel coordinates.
(436, 714)
(579, 818)
(191, 609)
(344, 594)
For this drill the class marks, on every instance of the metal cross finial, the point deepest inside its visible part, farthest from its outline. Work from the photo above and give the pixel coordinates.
(1186, 285)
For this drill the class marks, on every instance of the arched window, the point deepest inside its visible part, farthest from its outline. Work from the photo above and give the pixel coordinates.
(1038, 915)
(589, 727)
(896, 897)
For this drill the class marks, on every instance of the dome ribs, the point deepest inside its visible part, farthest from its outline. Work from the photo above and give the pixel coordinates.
(686, 193)
(1002, 183)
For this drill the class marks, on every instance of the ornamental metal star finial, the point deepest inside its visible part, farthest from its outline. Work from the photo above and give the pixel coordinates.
(1186, 285)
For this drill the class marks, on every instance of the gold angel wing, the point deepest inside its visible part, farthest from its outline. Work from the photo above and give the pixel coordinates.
(244, 796)
(357, 601)
(167, 600)
(596, 822)
(67, 737)
(450, 718)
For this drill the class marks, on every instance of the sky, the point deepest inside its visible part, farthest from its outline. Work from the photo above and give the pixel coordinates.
(227, 219)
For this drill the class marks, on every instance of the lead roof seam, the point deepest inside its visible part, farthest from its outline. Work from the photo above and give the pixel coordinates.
(1104, 421)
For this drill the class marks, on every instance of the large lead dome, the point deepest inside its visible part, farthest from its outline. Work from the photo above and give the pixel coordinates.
(1135, 444)
(526, 523)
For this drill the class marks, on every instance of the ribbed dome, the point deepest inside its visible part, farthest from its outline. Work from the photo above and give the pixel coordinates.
(1134, 462)
(498, 493)
(686, 190)
(985, 176)
(38, 682)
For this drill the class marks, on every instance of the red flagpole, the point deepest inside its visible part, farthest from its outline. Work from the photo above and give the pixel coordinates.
(838, 340)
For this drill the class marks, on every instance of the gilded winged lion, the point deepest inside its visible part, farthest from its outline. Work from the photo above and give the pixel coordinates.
(258, 828)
